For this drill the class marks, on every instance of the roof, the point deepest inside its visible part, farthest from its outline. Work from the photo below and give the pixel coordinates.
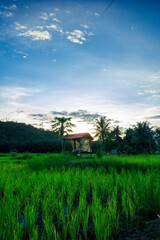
(77, 136)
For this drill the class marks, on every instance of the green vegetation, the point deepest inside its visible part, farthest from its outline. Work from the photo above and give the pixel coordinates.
(26, 138)
(62, 125)
(140, 139)
(57, 196)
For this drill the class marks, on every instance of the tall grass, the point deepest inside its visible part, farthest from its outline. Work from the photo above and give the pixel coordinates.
(92, 199)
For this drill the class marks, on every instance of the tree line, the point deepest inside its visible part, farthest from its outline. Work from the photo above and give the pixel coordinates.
(140, 139)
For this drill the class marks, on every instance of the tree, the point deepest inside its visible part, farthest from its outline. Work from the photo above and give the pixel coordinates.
(143, 137)
(116, 133)
(62, 125)
(102, 130)
(140, 139)
(116, 139)
(157, 138)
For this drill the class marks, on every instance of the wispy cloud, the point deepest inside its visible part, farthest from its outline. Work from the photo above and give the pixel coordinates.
(46, 16)
(84, 25)
(19, 26)
(39, 27)
(6, 14)
(77, 36)
(151, 91)
(63, 113)
(15, 93)
(96, 14)
(80, 114)
(56, 20)
(36, 35)
(52, 26)
(8, 10)
(12, 7)
(55, 27)
(153, 117)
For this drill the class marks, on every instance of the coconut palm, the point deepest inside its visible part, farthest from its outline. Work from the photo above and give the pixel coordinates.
(140, 139)
(62, 125)
(102, 130)
(143, 135)
(116, 133)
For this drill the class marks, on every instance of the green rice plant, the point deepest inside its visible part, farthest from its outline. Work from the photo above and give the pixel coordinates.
(85, 221)
(112, 192)
(48, 227)
(74, 225)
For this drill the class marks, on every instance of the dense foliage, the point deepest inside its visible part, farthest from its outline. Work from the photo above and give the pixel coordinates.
(62, 125)
(26, 138)
(140, 139)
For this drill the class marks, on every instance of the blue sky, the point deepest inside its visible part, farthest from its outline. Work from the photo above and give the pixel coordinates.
(82, 59)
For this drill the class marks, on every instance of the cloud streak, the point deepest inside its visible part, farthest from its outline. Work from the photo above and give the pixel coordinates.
(80, 114)
(36, 35)
(15, 93)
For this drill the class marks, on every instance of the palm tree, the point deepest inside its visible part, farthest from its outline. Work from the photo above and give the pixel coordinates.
(62, 125)
(143, 135)
(102, 129)
(116, 133)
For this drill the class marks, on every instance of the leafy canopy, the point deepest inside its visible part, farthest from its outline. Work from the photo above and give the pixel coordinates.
(102, 128)
(62, 125)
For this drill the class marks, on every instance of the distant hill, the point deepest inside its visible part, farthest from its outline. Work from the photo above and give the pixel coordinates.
(21, 132)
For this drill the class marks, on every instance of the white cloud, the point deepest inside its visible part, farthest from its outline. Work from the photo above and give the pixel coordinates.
(74, 40)
(155, 77)
(19, 26)
(151, 91)
(97, 14)
(39, 27)
(77, 36)
(84, 25)
(55, 27)
(15, 93)
(68, 12)
(140, 93)
(144, 86)
(44, 16)
(36, 35)
(90, 34)
(54, 60)
(52, 26)
(52, 14)
(56, 20)
(8, 14)
(24, 56)
(155, 96)
(12, 7)
(57, 9)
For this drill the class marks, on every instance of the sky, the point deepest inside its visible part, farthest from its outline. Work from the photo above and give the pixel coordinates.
(80, 59)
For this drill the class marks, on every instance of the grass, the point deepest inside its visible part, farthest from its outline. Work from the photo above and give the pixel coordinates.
(76, 198)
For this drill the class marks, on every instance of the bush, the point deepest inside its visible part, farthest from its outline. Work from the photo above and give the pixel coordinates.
(99, 153)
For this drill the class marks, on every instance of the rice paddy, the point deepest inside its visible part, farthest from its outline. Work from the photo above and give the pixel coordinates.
(56, 196)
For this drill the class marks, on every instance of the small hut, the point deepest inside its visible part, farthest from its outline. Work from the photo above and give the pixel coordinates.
(81, 142)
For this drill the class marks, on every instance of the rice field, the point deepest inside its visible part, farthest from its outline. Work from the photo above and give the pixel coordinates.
(56, 196)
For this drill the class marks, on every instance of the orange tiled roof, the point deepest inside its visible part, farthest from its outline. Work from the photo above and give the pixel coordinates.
(77, 136)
